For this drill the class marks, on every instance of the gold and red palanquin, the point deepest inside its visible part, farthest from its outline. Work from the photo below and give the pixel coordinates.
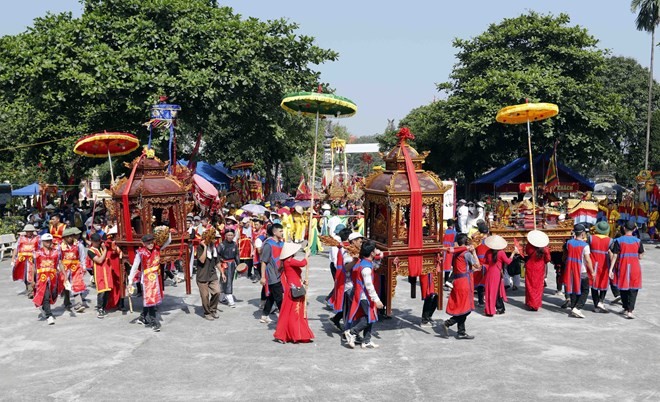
(153, 193)
(387, 204)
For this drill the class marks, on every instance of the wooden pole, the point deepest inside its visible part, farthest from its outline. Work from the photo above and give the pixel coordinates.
(311, 207)
(531, 171)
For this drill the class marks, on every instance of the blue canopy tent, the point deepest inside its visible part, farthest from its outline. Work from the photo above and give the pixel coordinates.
(29, 190)
(517, 171)
(214, 175)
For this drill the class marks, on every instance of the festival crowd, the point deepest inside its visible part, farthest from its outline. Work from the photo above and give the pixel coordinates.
(60, 246)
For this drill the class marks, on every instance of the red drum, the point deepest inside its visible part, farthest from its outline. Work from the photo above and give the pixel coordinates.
(204, 193)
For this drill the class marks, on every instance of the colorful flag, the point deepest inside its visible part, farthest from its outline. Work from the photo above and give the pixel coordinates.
(302, 188)
(192, 163)
(552, 174)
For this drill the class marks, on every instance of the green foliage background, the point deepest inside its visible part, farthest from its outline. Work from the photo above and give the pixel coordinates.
(66, 77)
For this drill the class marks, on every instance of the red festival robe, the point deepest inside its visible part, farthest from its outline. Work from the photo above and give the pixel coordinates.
(292, 325)
(599, 246)
(493, 280)
(24, 265)
(360, 290)
(535, 276)
(628, 271)
(102, 272)
(572, 276)
(114, 263)
(73, 269)
(480, 276)
(461, 299)
(337, 297)
(448, 241)
(261, 234)
(244, 247)
(47, 262)
(150, 267)
(57, 232)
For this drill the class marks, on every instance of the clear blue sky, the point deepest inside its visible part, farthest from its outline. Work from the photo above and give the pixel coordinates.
(393, 52)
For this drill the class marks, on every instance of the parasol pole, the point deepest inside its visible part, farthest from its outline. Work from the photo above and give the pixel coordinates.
(112, 174)
(531, 170)
(311, 207)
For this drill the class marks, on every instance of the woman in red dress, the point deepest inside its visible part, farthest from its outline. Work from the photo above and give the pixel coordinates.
(292, 323)
(495, 260)
(538, 255)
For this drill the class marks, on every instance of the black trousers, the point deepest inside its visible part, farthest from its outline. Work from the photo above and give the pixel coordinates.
(363, 325)
(559, 276)
(578, 301)
(275, 297)
(68, 299)
(429, 307)
(460, 320)
(149, 314)
(598, 296)
(346, 308)
(45, 305)
(614, 289)
(628, 299)
(480, 295)
(102, 300)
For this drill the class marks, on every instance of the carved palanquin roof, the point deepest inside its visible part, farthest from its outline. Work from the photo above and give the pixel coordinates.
(394, 180)
(151, 179)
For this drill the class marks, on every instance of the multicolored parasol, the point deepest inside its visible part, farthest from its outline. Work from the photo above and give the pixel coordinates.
(108, 144)
(526, 113)
(317, 104)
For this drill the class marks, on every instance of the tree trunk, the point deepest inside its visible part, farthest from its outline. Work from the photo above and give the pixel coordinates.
(648, 119)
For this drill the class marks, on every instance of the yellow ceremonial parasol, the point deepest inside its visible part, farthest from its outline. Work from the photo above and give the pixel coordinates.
(526, 113)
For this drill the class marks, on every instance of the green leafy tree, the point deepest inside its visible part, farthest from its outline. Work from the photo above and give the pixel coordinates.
(628, 80)
(648, 18)
(537, 57)
(67, 76)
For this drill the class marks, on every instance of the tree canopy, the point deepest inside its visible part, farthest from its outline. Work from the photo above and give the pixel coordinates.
(537, 57)
(65, 77)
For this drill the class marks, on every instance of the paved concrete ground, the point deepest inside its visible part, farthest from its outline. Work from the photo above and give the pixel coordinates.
(517, 356)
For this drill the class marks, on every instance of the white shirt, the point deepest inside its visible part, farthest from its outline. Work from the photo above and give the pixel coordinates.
(586, 251)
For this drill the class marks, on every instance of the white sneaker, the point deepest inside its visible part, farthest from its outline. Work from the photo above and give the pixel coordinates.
(232, 305)
(51, 320)
(449, 285)
(577, 313)
(602, 308)
(370, 345)
(265, 319)
(630, 315)
(350, 338)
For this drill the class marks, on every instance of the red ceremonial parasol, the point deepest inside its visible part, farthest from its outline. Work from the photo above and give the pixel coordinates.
(104, 144)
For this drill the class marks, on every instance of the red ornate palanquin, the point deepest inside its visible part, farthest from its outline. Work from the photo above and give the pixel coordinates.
(387, 207)
(155, 198)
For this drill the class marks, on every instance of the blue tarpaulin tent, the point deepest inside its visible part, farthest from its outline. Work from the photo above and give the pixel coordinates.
(518, 172)
(32, 189)
(219, 178)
